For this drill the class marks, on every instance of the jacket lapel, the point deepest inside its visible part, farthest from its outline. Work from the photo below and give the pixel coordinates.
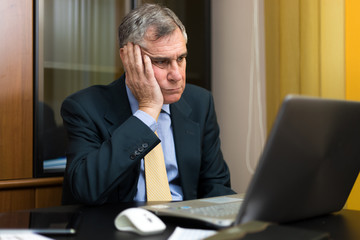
(188, 147)
(186, 134)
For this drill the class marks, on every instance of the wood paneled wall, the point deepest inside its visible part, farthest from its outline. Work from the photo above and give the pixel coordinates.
(16, 89)
(18, 188)
(30, 193)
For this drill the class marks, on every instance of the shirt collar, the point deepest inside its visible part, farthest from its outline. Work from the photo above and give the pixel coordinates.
(134, 105)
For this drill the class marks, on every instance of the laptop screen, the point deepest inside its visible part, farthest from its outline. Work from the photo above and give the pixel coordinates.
(309, 164)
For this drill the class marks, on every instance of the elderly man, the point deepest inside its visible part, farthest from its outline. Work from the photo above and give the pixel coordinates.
(114, 130)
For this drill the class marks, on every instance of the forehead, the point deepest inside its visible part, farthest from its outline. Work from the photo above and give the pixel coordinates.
(167, 46)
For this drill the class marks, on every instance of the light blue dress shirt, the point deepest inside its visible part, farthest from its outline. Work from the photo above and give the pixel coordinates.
(164, 130)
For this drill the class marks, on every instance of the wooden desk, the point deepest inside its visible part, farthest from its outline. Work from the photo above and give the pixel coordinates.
(98, 222)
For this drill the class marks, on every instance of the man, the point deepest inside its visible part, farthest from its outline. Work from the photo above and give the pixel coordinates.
(112, 128)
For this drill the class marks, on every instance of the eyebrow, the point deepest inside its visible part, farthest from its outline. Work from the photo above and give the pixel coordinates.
(164, 58)
(160, 59)
(155, 58)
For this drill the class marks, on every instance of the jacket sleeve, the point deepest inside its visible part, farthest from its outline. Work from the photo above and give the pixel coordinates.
(103, 166)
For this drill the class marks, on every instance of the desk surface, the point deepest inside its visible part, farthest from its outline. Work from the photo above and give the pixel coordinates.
(98, 222)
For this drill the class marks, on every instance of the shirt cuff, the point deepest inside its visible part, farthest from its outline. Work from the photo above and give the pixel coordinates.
(147, 119)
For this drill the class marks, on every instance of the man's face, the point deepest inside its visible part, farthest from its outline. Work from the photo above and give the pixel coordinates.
(168, 57)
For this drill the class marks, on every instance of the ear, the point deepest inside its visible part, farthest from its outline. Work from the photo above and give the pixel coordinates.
(121, 53)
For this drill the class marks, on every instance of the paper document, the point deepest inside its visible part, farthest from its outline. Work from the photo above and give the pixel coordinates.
(21, 235)
(191, 234)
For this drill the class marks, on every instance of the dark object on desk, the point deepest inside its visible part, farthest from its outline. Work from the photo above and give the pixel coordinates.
(54, 223)
(308, 167)
(266, 231)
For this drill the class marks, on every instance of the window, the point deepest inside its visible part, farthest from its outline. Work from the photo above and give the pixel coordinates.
(76, 47)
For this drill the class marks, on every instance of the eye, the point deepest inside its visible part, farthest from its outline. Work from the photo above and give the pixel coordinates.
(181, 58)
(160, 63)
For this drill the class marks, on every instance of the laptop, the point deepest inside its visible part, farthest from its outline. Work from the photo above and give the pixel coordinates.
(308, 167)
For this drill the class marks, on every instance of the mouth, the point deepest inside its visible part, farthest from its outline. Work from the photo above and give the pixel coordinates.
(173, 90)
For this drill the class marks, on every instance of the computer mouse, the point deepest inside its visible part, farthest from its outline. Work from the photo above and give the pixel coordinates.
(140, 221)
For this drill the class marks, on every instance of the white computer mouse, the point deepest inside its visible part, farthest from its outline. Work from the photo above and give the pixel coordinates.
(140, 221)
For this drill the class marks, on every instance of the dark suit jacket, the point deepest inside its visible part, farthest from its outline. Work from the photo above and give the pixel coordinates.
(106, 144)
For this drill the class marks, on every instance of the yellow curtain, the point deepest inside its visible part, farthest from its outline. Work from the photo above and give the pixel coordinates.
(312, 48)
(304, 50)
(352, 50)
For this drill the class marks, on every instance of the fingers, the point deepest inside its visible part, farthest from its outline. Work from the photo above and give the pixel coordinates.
(132, 59)
(137, 66)
(149, 72)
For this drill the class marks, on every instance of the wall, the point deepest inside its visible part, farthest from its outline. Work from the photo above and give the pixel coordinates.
(239, 92)
(18, 190)
(15, 89)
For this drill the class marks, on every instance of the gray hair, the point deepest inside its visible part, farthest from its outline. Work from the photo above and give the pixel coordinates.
(136, 23)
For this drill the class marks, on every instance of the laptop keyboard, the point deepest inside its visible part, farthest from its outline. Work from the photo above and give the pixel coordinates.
(219, 210)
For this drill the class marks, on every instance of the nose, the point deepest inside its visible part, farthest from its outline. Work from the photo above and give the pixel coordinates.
(174, 73)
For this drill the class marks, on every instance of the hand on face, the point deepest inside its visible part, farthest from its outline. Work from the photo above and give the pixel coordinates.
(156, 75)
(141, 80)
